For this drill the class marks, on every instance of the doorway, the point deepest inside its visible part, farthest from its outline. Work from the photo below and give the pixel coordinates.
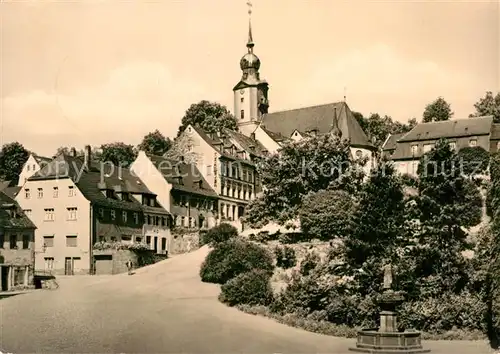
(68, 266)
(156, 244)
(5, 278)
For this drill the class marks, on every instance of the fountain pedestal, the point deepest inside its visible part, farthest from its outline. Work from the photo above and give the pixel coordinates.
(387, 339)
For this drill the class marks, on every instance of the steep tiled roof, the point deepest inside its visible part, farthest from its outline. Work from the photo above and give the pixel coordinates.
(495, 132)
(450, 129)
(189, 173)
(216, 142)
(246, 143)
(11, 191)
(275, 136)
(7, 220)
(99, 177)
(4, 184)
(390, 143)
(322, 118)
(41, 159)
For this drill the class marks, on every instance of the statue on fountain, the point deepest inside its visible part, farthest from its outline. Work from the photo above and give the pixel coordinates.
(387, 337)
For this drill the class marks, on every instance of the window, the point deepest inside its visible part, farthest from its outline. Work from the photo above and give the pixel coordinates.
(124, 216)
(148, 220)
(157, 220)
(453, 145)
(101, 213)
(148, 240)
(138, 239)
(40, 193)
(72, 213)
(242, 99)
(136, 218)
(183, 223)
(71, 241)
(2, 239)
(473, 142)
(163, 243)
(71, 191)
(28, 167)
(163, 221)
(414, 149)
(49, 262)
(190, 221)
(56, 192)
(242, 114)
(27, 193)
(34, 167)
(126, 238)
(27, 212)
(428, 147)
(26, 241)
(359, 154)
(48, 241)
(13, 242)
(113, 215)
(49, 215)
(209, 170)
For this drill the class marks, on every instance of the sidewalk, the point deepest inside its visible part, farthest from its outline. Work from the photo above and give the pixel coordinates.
(5, 294)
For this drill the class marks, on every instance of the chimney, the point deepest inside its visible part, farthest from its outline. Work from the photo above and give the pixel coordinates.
(87, 156)
(252, 136)
(73, 152)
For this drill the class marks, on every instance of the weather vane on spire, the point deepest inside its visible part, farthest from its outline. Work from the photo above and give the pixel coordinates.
(249, 4)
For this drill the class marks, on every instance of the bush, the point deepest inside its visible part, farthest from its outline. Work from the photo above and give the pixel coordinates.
(232, 258)
(251, 288)
(440, 314)
(310, 262)
(219, 233)
(285, 257)
(325, 214)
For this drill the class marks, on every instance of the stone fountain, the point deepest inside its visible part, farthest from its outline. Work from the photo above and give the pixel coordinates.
(387, 339)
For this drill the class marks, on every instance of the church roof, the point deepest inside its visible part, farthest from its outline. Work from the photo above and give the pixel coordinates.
(321, 118)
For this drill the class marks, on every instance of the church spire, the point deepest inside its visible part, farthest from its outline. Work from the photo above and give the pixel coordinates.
(250, 43)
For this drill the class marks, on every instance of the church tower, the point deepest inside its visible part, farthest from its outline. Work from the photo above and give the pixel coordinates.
(250, 94)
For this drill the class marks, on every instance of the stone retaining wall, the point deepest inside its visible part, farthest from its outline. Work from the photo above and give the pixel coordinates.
(185, 242)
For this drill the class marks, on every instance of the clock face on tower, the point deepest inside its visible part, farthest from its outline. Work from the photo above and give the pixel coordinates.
(242, 91)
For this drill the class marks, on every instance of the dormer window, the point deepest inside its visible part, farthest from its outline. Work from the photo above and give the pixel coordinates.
(473, 142)
(414, 149)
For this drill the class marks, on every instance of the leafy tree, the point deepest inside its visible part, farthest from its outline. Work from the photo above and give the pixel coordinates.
(377, 222)
(13, 156)
(473, 160)
(488, 105)
(308, 165)
(155, 143)
(210, 116)
(325, 214)
(437, 111)
(447, 204)
(118, 153)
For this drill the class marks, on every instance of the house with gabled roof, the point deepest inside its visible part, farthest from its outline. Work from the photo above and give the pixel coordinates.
(180, 188)
(227, 161)
(76, 202)
(406, 150)
(17, 257)
(32, 165)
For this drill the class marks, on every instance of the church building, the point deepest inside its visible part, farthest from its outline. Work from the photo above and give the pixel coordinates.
(251, 105)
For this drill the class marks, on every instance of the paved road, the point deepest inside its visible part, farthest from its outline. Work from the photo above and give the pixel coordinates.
(163, 308)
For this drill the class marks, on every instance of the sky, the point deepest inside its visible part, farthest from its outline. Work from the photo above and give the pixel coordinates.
(92, 72)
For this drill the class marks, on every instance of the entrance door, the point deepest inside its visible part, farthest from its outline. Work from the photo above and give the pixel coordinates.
(68, 266)
(5, 278)
(156, 244)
